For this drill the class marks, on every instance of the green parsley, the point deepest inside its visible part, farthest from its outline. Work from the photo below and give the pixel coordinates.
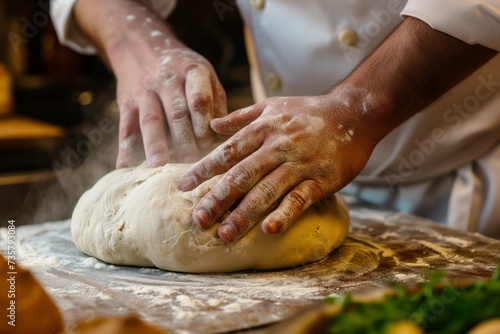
(432, 307)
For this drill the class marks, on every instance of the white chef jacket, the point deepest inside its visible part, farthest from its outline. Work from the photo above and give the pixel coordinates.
(443, 163)
(70, 35)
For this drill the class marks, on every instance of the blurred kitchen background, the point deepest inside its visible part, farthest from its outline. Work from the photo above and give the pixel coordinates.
(58, 117)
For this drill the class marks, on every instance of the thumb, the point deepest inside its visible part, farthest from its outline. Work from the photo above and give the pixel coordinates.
(235, 121)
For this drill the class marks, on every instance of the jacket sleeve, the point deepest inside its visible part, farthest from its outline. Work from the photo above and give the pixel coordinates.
(472, 21)
(61, 12)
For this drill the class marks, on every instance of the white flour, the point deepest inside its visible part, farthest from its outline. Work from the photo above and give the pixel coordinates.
(383, 247)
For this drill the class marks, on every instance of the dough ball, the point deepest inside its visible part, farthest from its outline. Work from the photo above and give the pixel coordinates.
(138, 216)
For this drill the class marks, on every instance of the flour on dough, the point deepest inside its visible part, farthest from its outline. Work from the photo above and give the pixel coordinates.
(138, 216)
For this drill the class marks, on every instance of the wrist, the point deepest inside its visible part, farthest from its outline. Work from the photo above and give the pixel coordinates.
(387, 88)
(413, 67)
(124, 30)
(368, 111)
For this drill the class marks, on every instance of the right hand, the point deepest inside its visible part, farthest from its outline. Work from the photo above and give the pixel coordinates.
(285, 154)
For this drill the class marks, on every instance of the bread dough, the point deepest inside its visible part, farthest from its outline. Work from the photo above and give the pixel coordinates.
(139, 216)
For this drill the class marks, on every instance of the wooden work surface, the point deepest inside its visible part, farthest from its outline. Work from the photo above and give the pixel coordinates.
(382, 247)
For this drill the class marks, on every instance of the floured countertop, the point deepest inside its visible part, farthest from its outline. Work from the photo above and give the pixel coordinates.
(382, 247)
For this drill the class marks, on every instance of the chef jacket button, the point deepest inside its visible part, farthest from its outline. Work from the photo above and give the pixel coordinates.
(348, 37)
(258, 4)
(273, 81)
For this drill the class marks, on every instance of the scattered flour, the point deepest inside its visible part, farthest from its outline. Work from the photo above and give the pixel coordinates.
(165, 60)
(128, 143)
(457, 241)
(382, 247)
(156, 33)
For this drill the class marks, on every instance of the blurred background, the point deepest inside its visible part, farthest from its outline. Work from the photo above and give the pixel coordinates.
(58, 116)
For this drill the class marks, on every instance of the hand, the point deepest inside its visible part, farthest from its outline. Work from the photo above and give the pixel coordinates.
(288, 154)
(161, 83)
(295, 151)
(184, 89)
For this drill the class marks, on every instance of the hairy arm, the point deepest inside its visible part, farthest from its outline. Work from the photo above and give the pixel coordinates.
(288, 153)
(410, 70)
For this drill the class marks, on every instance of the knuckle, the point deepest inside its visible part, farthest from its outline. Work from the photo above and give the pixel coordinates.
(201, 102)
(166, 75)
(286, 145)
(138, 94)
(179, 110)
(149, 83)
(242, 178)
(126, 104)
(316, 190)
(151, 117)
(324, 181)
(286, 121)
(200, 65)
(267, 192)
(297, 200)
(229, 152)
(267, 125)
(215, 201)
(190, 64)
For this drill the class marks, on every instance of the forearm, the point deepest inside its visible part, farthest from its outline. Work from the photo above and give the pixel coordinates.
(123, 28)
(411, 69)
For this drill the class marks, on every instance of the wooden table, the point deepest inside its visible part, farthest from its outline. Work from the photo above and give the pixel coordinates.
(382, 247)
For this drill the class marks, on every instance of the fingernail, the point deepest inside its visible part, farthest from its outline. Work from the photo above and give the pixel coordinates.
(188, 183)
(227, 232)
(202, 217)
(271, 227)
(157, 160)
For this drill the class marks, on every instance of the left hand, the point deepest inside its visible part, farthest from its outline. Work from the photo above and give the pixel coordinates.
(286, 154)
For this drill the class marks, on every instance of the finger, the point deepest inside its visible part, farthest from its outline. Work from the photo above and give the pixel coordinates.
(233, 186)
(201, 104)
(152, 126)
(220, 100)
(258, 202)
(127, 135)
(224, 157)
(292, 207)
(236, 120)
(179, 122)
